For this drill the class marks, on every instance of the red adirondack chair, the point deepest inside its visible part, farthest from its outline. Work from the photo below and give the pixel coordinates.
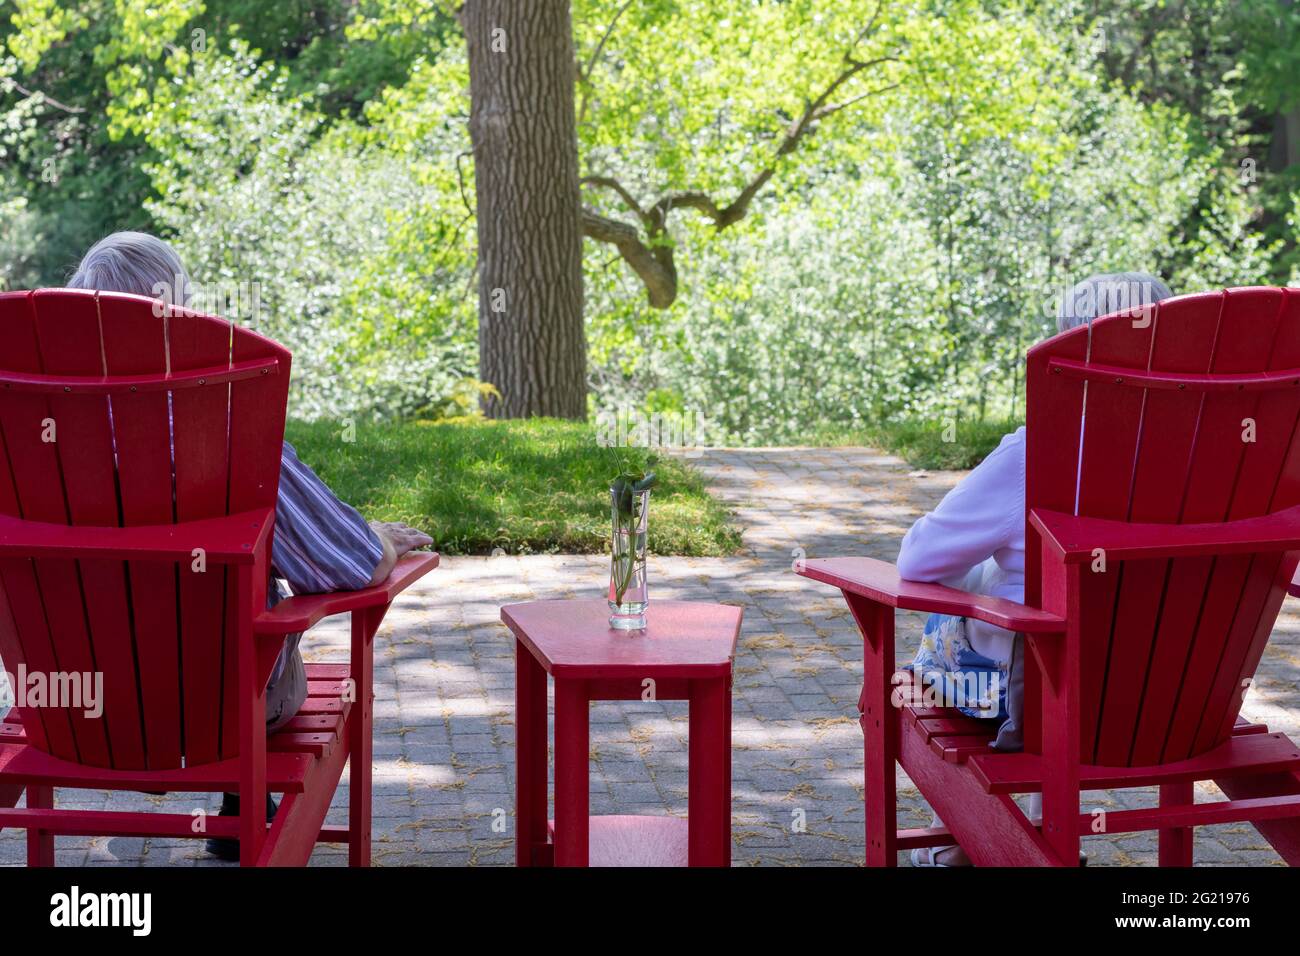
(135, 540)
(1188, 486)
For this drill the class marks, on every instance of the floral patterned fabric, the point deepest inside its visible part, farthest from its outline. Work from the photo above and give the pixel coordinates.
(953, 674)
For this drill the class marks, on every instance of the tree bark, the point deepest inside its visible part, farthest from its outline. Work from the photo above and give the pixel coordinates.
(532, 343)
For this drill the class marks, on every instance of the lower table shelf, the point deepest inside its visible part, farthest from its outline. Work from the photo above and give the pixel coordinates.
(625, 840)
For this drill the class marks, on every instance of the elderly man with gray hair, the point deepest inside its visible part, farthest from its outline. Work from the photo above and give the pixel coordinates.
(975, 540)
(320, 544)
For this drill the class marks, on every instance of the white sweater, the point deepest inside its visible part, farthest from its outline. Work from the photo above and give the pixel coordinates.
(975, 539)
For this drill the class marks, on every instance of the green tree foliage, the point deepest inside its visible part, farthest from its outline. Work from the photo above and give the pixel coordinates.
(1231, 67)
(863, 212)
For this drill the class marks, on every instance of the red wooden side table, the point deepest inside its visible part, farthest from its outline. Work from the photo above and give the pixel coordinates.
(683, 654)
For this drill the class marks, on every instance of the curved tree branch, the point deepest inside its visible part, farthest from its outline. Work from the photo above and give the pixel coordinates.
(653, 265)
(612, 184)
(653, 261)
(44, 97)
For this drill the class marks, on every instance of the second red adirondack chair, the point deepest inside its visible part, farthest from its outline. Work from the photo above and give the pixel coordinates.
(1163, 505)
(138, 480)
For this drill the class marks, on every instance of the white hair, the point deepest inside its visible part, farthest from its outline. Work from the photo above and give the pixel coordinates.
(1104, 294)
(134, 262)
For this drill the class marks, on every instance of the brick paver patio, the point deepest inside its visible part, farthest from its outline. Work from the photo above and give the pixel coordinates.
(444, 672)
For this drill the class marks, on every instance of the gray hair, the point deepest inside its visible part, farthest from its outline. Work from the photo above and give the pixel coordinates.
(1107, 293)
(134, 262)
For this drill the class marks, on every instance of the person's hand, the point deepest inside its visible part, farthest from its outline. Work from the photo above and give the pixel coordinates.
(403, 536)
(397, 539)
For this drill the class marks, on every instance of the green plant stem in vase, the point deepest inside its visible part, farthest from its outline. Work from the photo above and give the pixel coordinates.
(629, 496)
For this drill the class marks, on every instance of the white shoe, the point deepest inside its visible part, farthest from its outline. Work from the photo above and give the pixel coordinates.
(925, 856)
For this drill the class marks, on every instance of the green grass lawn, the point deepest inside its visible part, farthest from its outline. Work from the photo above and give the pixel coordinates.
(922, 443)
(523, 486)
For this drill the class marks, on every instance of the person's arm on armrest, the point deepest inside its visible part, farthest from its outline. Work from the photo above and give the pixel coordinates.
(974, 520)
(322, 544)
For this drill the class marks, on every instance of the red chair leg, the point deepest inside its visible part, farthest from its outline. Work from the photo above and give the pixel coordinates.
(40, 844)
(252, 731)
(1060, 725)
(361, 745)
(1282, 835)
(1176, 844)
(879, 728)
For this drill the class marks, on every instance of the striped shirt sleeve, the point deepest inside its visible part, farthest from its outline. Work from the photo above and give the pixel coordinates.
(320, 544)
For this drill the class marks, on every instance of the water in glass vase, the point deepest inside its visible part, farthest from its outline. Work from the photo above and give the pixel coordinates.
(628, 593)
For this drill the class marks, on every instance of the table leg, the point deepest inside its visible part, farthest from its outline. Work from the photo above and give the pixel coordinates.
(572, 774)
(709, 786)
(530, 756)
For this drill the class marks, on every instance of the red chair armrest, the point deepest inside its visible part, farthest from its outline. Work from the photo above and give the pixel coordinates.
(299, 613)
(1076, 538)
(879, 581)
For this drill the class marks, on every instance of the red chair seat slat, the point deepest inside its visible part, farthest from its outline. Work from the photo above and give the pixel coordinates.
(315, 723)
(959, 749)
(317, 745)
(325, 674)
(309, 737)
(1249, 754)
(321, 705)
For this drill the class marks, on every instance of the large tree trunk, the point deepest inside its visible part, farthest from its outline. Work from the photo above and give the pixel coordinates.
(532, 345)
(1285, 146)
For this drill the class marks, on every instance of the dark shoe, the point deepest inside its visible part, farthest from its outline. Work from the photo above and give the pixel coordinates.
(226, 849)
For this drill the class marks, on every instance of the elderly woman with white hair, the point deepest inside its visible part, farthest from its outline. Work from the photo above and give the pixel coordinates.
(320, 544)
(975, 540)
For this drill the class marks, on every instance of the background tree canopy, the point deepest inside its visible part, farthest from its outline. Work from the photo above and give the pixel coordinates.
(799, 212)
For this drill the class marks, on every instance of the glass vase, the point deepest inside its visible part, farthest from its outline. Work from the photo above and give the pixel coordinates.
(628, 594)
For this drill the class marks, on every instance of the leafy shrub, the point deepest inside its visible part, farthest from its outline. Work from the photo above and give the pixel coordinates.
(342, 238)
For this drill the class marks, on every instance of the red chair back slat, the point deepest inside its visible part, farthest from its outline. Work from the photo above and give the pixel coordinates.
(1231, 593)
(1112, 434)
(1054, 422)
(1184, 342)
(201, 437)
(34, 473)
(1167, 645)
(1285, 494)
(1261, 475)
(67, 333)
(257, 414)
(135, 343)
(160, 633)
